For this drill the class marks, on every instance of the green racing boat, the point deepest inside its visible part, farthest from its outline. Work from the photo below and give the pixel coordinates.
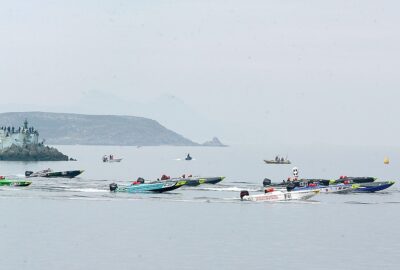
(15, 183)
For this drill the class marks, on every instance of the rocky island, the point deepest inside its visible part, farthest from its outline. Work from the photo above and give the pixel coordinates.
(214, 142)
(22, 144)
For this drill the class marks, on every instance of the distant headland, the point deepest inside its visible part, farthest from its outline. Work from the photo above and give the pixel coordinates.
(81, 129)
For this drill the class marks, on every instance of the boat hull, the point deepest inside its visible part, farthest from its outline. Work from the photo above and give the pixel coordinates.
(277, 162)
(281, 196)
(64, 174)
(15, 183)
(339, 188)
(195, 181)
(157, 187)
(373, 187)
(356, 180)
(114, 160)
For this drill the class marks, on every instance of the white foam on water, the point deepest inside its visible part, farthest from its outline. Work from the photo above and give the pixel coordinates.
(90, 190)
(234, 189)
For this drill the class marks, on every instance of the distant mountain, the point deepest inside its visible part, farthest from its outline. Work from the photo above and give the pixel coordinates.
(214, 142)
(64, 128)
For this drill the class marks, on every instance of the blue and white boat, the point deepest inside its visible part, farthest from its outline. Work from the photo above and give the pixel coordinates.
(374, 186)
(338, 188)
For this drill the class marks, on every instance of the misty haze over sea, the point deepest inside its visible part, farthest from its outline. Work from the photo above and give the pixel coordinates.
(150, 81)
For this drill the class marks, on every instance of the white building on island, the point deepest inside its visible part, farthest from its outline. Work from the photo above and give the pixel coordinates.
(19, 136)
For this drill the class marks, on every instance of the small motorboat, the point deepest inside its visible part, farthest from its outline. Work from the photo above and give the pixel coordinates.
(272, 195)
(373, 186)
(156, 186)
(111, 158)
(115, 160)
(278, 160)
(50, 174)
(15, 183)
(271, 161)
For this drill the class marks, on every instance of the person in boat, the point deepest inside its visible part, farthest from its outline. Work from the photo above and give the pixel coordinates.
(111, 157)
(276, 158)
(282, 159)
(139, 181)
(188, 157)
(105, 159)
(165, 177)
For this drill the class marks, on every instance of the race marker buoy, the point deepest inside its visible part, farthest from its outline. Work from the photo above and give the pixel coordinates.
(386, 160)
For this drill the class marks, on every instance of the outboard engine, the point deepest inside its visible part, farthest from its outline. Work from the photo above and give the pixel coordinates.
(28, 173)
(266, 182)
(243, 193)
(113, 187)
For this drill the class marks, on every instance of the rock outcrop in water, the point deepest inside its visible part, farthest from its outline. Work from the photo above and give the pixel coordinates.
(214, 142)
(32, 152)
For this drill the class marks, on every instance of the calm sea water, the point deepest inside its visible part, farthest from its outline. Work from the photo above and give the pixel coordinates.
(79, 224)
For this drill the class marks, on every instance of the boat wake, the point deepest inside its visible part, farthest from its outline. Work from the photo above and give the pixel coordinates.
(230, 189)
(89, 190)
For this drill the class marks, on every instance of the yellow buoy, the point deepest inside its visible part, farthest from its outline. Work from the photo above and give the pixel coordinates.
(386, 160)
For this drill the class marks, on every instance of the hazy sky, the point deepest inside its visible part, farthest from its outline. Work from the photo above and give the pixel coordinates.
(289, 72)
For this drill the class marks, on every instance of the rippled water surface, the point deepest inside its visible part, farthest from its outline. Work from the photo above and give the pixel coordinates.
(78, 224)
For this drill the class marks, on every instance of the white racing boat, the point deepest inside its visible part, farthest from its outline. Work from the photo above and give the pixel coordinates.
(272, 195)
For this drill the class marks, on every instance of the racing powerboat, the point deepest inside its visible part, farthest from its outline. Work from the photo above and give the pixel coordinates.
(271, 195)
(197, 180)
(51, 174)
(15, 183)
(156, 186)
(355, 180)
(336, 188)
(324, 186)
(374, 186)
